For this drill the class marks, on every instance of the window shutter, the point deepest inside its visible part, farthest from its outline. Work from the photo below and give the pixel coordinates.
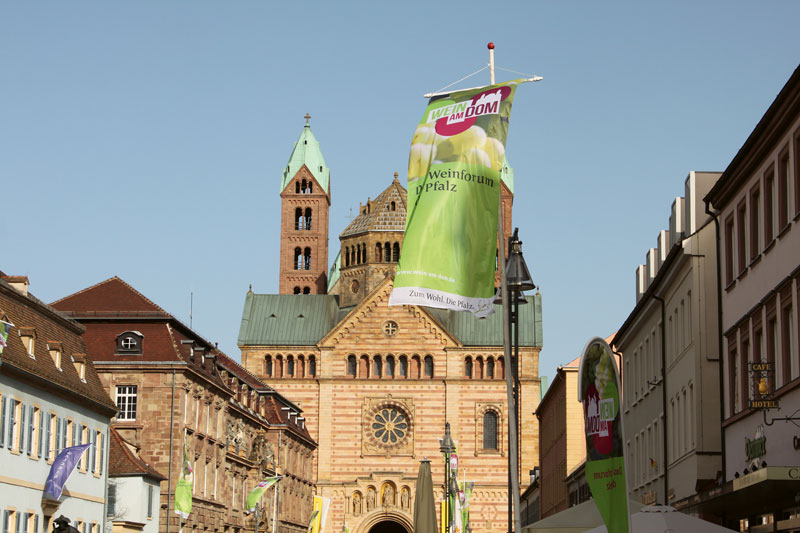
(36, 523)
(3, 423)
(93, 451)
(102, 453)
(22, 431)
(76, 434)
(41, 434)
(31, 428)
(46, 437)
(5, 521)
(58, 436)
(112, 499)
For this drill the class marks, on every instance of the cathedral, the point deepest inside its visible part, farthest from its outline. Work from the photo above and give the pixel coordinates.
(376, 383)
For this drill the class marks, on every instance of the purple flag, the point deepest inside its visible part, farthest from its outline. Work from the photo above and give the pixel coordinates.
(61, 470)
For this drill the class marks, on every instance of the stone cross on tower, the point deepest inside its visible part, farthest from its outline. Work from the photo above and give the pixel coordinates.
(307, 117)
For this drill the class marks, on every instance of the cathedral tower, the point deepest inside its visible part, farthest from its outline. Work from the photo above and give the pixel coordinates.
(305, 203)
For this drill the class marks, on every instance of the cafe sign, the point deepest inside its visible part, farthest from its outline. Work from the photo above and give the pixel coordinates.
(761, 373)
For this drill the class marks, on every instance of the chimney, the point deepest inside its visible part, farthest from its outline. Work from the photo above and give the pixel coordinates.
(676, 221)
(663, 246)
(652, 266)
(19, 283)
(640, 288)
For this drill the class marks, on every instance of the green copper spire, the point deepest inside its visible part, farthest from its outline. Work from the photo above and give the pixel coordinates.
(306, 152)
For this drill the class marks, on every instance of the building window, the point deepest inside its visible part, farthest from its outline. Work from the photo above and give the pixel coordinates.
(387, 253)
(787, 342)
(729, 277)
(468, 367)
(769, 205)
(298, 259)
(150, 501)
(312, 366)
(390, 426)
(755, 200)
(299, 220)
(126, 402)
(390, 367)
(490, 430)
(306, 290)
(389, 328)
(783, 190)
(428, 366)
(307, 259)
(378, 252)
(129, 343)
(741, 217)
(351, 365)
(797, 173)
(396, 252)
(268, 366)
(290, 366)
(403, 371)
(376, 366)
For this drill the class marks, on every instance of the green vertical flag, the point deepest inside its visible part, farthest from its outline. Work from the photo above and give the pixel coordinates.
(5, 327)
(466, 490)
(598, 390)
(312, 521)
(255, 495)
(183, 491)
(457, 154)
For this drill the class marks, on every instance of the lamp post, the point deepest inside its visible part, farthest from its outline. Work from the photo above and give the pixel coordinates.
(447, 447)
(515, 278)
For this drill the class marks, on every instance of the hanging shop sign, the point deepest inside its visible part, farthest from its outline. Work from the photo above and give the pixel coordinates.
(757, 447)
(761, 373)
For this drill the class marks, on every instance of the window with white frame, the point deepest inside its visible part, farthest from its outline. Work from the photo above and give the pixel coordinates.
(126, 402)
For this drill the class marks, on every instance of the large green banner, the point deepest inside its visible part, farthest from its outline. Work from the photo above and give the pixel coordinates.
(449, 250)
(598, 390)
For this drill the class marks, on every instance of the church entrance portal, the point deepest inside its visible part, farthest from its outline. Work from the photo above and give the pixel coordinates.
(388, 526)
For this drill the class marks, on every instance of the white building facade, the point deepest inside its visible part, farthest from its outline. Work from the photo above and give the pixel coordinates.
(50, 399)
(671, 363)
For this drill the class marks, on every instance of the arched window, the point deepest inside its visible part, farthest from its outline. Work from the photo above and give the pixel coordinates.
(428, 366)
(298, 260)
(268, 366)
(290, 366)
(390, 367)
(479, 368)
(376, 366)
(490, 430)
(414, 373)
(396, 252)
(297, 290)
(363, 367)
(403, 372)
(378, 253)
(299, 221)
(296, 185)
(307, 218)
(307, 259)
(309, 188)
(392, 206)
(358, 254)
(501, 368)
(306, 290)
(304, 188)
(387, 253)
(347, 256)
(468, 368)
(312, 366)
(490, 368)
(351, 365)
(353, 255)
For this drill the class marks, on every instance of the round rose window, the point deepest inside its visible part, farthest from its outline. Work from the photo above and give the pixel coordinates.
(389, 426)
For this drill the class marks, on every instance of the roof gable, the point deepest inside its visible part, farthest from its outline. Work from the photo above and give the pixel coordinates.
(378, 215)
(113, 296)
(364, 320)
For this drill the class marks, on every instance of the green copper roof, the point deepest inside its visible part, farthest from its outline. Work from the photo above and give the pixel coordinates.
(488, 331)
(333, 275)
(507, 174)
(306, 152)
(287, 319)
(304, 319)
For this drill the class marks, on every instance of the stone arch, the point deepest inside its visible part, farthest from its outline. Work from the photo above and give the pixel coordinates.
(376, 518)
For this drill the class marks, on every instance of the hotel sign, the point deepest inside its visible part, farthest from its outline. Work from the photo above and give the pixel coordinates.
(760, 372)
(769, 473)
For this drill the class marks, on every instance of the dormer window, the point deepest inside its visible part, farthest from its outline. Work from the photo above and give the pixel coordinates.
(79, 360)
(130, 343)
(55, 350)
(28, 338)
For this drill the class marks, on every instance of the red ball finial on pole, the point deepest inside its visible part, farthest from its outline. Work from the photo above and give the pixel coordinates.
(490, 46)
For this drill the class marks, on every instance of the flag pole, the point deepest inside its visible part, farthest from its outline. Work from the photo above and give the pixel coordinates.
(513, 501)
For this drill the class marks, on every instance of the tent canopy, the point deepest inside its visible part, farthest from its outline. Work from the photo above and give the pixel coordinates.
(578, 519)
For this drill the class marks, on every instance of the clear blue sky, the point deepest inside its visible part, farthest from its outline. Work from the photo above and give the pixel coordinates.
(147, 139)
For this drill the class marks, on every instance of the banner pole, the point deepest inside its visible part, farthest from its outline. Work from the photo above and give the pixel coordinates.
(491, 63)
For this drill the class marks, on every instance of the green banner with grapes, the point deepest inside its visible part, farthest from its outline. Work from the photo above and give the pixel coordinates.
(454, 170)
(598, 390)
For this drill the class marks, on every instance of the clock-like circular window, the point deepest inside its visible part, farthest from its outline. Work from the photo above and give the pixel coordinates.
(390, 426)
(390, 328)
(354, 286)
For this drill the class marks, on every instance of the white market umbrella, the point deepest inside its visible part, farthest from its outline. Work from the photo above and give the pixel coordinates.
(577, 519)
(663, 518)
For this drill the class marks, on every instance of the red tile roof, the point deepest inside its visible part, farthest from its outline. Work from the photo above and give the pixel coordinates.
(31, 316)
(122, 461)
(112, 296)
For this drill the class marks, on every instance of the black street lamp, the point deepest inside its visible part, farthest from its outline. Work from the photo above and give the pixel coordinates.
(447, 447)
(516, 279)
